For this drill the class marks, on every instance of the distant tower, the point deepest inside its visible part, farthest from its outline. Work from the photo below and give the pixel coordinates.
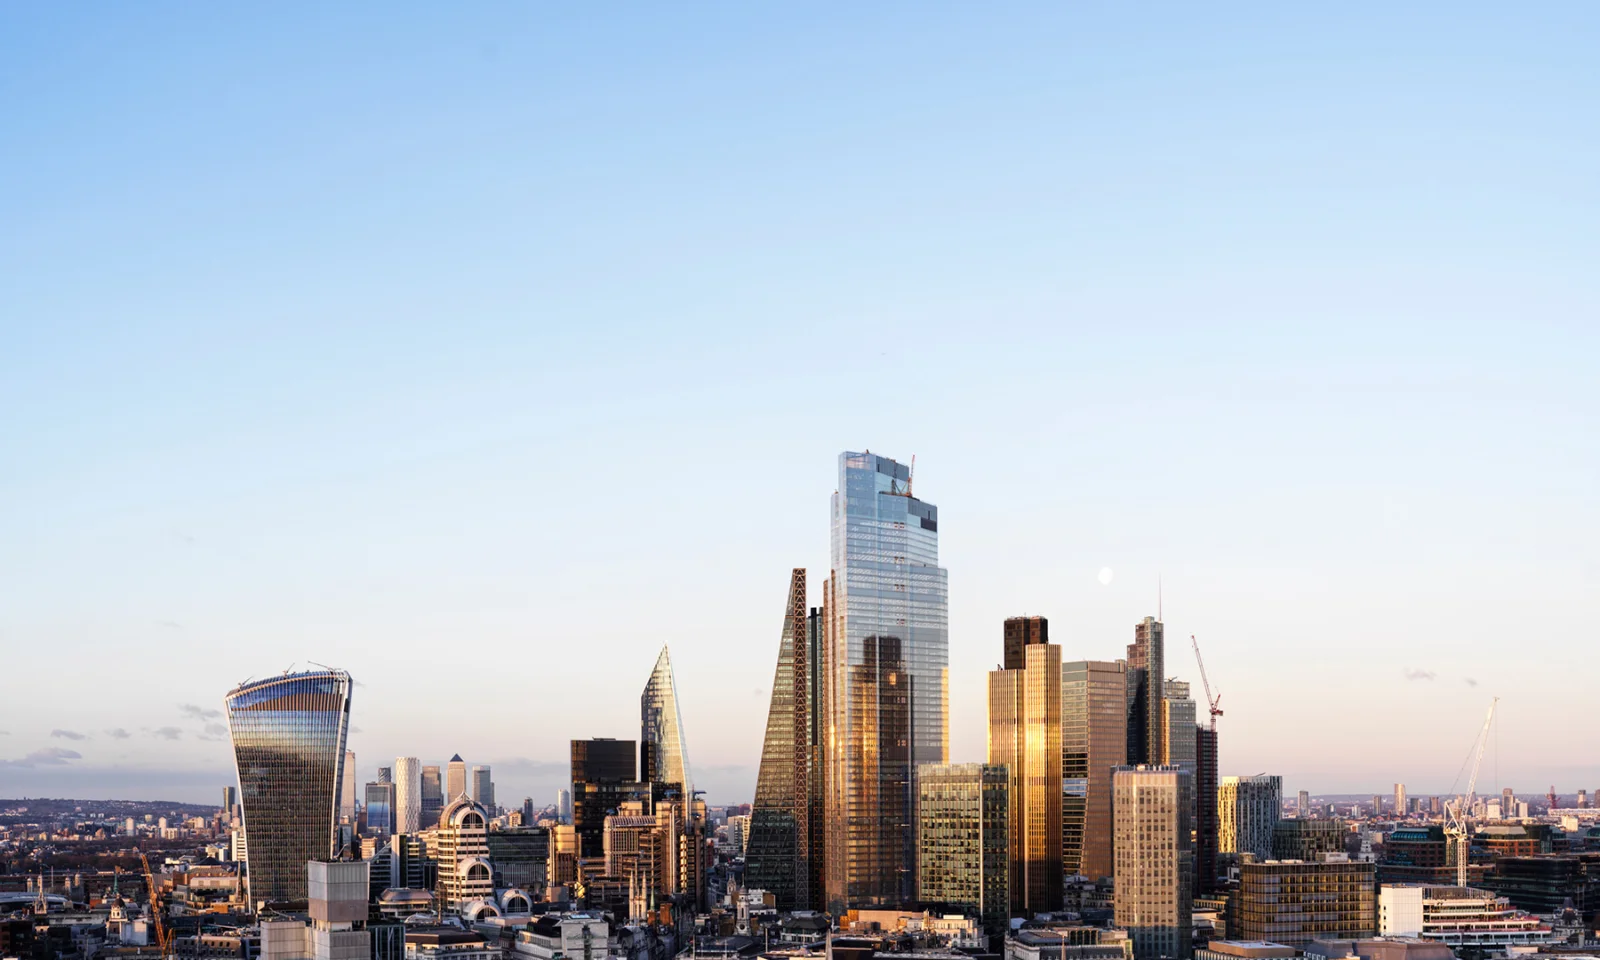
(1508, 803)
(481, 788)
(1399, 799)
(1551, 796)
(564, 805)
(663, 750)
(1302, 806)
(408, 795)
(347, 789)
(288, 745)
(1583, 799)
(432, 796)
(455, 779)
(1094, 738)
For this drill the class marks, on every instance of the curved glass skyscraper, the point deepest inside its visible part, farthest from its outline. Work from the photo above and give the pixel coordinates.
(663, 753)
(288, 744)
(886, 654)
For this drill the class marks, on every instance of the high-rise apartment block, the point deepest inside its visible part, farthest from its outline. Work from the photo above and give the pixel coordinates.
(1247, 808)
(663, 748)
(288, 745)
(886, 685)
(407, 795)
(783, 852)
(964, 851)
(1154, 860)
(1294, 902)
(1146, 714)
(1025, 738)
(1094, 739)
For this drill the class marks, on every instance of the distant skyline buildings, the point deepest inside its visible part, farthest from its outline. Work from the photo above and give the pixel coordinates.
(886, 650)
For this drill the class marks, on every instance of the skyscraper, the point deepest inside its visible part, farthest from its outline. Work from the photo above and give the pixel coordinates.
(1302, 804)
(482, 788)
(1146, 720)
(663, 750)
(1094, 739)
(886, 678)
(784, 850)
(1154, 860)
(564, 805)
(432, 796)
(1177, 726)
(603, 776)
(1400, 800)
(347, 789)
(1025, 738)
(380, 808)
(230, 798)
(407, 795)
(1248, 808)
(288, 745)
(1021, 632)
(455, 779)
(964, 850)
(1206, 822)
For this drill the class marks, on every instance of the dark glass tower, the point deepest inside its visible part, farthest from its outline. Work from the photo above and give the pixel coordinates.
(603, 775)
(1206, 823)
(1022, 632)
(1147, 722)
(432, 797)
(784, 852)
(288, 745)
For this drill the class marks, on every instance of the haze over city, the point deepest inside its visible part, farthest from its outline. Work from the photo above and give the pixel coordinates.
(482, 352)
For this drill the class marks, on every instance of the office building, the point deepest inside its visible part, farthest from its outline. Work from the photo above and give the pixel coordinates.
(347, 789)
(1457, 916)
(1021, 632)
(784, 852)
(1416, 854)
(432, 796)
(1154, 860)
(1025, 738)
(886, 658)
(380, 802)
(455, 779)
(964, 851)
(1094, 740)
(564, 805)
(407, 795)
(1294, 902)
(466, 873)
(1178, 726)
(603, 777)
(520, 856)
(1548, 884)
(1146, 715)
(1206, 818)
(1400, 800)
(1247, 809)
(663, 749)
(288, 745)
(481, 788)
(1307, 839)
(527, 811)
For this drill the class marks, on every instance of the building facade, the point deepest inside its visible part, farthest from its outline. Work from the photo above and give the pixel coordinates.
(1294, 901)
(432, 796)
(663, 749)
(1458, 916)
(1146, 716)
(1154, 860)
(603, 777)
(455, 779)
(1206, 820)
(288, 737)
(1247, 810)
(964, 851)
(886, 678)
(1025, 738)
(480, 787)
(380, 808)
(466, 872)
(1094, 741)
(407, 795)
(1301, 839)
(347, 789)
(783, 846)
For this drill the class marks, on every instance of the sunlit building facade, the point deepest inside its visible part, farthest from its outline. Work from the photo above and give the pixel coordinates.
(462, 849)
(1146, 719)
(1094, 739)
(783, 847)
(1154, 860)
(1247, 810)
(964, 849)
(886, 678)
(663, 749)
(1025, 738)
(289, 737)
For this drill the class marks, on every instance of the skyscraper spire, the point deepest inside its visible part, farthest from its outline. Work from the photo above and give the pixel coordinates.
(663, 750)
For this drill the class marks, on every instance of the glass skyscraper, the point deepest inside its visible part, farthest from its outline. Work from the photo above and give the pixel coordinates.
(289, 746)
(407, 795)
(663, 751)
(886, 678)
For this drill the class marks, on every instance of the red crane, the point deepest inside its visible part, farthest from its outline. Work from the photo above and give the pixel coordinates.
(1211, 701)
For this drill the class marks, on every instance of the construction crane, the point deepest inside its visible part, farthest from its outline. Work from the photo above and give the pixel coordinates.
(1211, 701)
(163, 938)
(1458, 819)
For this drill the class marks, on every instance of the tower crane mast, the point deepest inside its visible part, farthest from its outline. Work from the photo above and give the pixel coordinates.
(1458, 823)
(1211, 701)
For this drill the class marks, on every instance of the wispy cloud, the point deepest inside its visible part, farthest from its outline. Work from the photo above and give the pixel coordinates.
(213, 731)
(68, 735)
(1420, 674)
(167, 733)
(117, 733)
(1471, 682)
(198, 713)
(48, 757)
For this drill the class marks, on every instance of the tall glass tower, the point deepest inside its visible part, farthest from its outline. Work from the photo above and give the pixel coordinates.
(288, 744)
(886, 653)
(663, 751)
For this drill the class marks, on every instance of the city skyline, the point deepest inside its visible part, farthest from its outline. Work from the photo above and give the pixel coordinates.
(1286, 312)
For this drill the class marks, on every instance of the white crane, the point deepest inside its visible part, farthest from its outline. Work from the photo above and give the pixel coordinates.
(1458, 824)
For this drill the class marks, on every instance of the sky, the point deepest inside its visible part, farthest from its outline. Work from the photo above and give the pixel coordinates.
(482, 351)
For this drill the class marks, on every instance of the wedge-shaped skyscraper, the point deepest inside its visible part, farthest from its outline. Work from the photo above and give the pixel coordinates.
(288, 744)
(663, 752)
(784, 853)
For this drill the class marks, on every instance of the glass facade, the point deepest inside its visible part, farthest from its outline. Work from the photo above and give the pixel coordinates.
(964, 850)
(1094, 739)
(289, 747)
(663, 752)
(783, 854)
(603, 777)
(1146, 721)
(1025, 738)
(407, 795)
(1247, 810)
(380, 808)
(432, 797)
(886, 683)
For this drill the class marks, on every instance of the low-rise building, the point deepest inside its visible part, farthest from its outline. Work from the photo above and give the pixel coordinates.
(1458, 916)
(449, 943)
(1247, 949)
(1379, 948)
(1293, 902)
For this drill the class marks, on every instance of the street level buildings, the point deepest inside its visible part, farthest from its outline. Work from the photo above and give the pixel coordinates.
(1154, 860)
(289, 737)
(886, 684)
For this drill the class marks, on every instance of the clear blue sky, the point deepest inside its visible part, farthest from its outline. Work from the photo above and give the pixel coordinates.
(482, 350)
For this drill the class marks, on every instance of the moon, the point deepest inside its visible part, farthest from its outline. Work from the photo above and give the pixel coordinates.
(1105, 576)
